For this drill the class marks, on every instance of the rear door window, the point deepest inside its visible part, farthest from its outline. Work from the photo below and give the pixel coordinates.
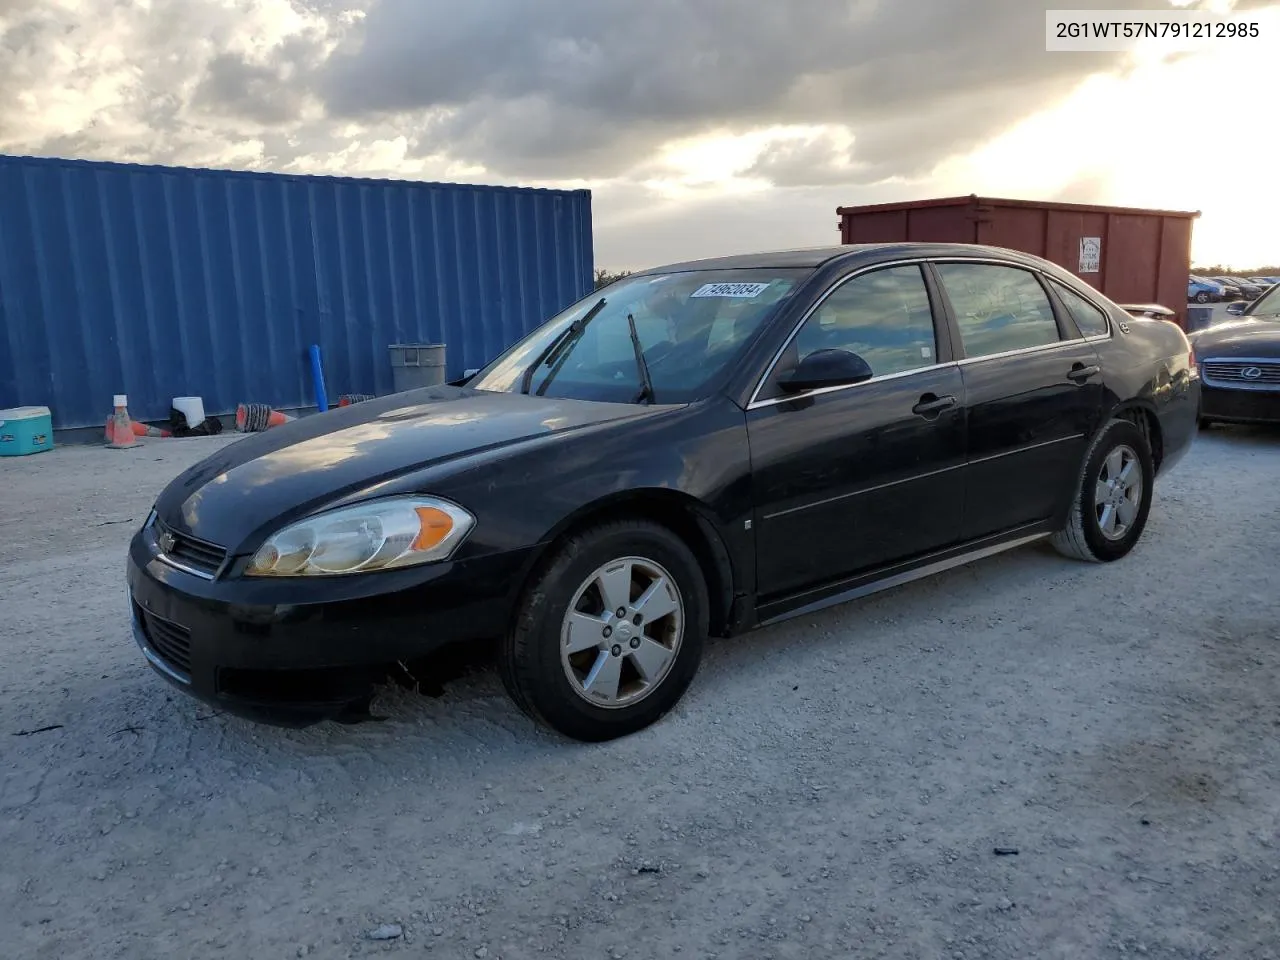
(998, 309)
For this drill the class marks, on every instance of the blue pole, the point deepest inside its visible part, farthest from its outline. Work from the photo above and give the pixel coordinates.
(317, 375)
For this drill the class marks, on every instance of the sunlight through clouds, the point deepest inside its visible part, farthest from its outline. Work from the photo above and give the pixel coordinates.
(1159, 136)
(696, 133)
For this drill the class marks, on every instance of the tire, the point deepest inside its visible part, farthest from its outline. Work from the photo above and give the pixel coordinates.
(554, 686)
(1202, 297)
(1083, 537)
(1205, 423)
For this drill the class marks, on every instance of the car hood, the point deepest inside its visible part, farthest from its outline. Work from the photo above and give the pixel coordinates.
(1244, 337)
(300, 466)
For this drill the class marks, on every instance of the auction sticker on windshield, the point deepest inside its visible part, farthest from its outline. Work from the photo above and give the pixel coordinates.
(743, 290)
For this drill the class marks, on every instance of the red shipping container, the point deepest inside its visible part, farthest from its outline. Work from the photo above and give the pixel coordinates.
(1130, 255)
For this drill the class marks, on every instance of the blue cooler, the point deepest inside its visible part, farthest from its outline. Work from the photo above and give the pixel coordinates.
(25, 430)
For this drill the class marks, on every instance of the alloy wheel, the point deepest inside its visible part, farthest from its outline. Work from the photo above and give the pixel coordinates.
(622, 632)
(1117, 496)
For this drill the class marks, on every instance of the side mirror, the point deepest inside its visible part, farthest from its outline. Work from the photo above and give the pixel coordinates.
(826, 368)
(1236, 309)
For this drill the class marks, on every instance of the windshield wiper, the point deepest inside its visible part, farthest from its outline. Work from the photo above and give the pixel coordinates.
(553, 349)
(642, 365)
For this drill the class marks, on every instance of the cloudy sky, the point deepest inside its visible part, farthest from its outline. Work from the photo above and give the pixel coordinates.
(701, 126)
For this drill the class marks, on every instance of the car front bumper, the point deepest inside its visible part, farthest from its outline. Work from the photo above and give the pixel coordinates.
(1239, 406)
(293, 652)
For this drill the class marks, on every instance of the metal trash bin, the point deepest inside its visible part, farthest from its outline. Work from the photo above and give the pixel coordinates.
(1199, 317)
(415, 365)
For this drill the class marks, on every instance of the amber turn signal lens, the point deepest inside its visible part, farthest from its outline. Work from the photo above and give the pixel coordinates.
(434, 527)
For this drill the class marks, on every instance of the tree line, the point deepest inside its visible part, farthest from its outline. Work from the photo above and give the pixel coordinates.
(1218, 270)
(605, 277)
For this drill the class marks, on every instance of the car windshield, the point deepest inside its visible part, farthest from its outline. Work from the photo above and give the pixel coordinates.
(688, 327)
(1267, 305)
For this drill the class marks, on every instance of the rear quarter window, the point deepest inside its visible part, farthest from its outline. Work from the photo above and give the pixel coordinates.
(1091, 321)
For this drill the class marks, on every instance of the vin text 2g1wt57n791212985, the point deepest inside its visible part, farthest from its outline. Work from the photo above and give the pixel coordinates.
(699, 448)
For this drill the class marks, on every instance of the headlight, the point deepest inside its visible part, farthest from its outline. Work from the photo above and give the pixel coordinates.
(378, 535)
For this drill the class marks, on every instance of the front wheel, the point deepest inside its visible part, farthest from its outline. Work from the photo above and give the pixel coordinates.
(610, 633)
(1113, 496)
(1202, 297)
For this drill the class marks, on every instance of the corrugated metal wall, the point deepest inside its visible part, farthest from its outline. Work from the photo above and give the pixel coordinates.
(160, 282)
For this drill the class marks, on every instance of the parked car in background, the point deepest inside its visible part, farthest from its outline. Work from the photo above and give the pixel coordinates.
(698, 449)
(1239, 362)
(1230, 289)
(1248, 289)
(1200, 290)
(1265, 282)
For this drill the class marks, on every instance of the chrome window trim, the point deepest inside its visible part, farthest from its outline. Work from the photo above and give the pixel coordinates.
(755, 403)
(1021, 351)
(823, 391)
(1034, 271)
(1094, 338)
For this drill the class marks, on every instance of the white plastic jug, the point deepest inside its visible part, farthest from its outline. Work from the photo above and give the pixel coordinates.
(192, 408)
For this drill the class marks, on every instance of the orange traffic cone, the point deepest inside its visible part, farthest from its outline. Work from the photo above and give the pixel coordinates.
(143, 430)
(120, 435)
(256, 417)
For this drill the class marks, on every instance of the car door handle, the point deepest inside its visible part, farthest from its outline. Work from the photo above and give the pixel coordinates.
(1080, 373)
(930, 405)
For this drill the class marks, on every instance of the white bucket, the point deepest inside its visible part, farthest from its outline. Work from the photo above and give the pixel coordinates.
(192, 408)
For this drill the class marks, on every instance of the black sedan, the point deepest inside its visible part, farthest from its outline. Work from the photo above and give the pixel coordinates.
(1240, 364)
(698, 449)
(1249, 290)
(1231, 288)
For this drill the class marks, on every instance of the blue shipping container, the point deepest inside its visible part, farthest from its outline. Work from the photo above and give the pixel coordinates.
(159, 282)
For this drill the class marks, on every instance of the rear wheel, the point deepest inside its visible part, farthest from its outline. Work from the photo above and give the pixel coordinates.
(610, 632)
(1113, 496)
(1202, 297)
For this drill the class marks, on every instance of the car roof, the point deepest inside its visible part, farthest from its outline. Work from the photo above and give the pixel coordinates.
(852, 254)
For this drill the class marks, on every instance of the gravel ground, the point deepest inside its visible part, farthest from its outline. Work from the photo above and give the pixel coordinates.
(834, 786)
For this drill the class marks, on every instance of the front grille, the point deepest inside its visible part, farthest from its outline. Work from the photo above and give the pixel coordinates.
(1257, 374)
(167, 640)
(195, 554)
